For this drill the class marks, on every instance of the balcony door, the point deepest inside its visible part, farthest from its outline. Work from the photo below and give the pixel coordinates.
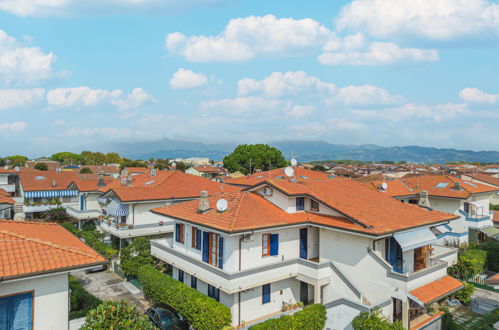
(394, 254)
(303, 243)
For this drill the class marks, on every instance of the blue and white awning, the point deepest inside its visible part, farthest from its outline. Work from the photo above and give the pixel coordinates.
(117, 209)
(50, 193)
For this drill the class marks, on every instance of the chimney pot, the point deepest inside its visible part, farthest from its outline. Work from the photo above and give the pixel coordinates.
(129, 180)
(204, 204)
(53, 183)
(424, 201)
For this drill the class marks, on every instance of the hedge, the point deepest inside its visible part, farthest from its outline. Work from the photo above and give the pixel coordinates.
(201, 311)
(81, 300)
(310, 318)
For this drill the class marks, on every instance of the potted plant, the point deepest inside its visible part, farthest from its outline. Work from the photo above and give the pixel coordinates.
(130, 226)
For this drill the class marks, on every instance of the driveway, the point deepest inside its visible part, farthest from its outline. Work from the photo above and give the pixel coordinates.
(109, 286)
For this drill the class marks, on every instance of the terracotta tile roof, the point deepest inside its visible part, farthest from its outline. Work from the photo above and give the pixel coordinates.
(105, 169)
(6, 171)
(484, 178)
(136, 169)
(29, 248)
(494, 279)
(5, 198)
(371, 177)
(358, 202)
(395, 188)
(92, 184)
(209, 169)
(430, 182)
(436, 290)
(51, 164)
(166, 185)
(300, 174)
(62, 179)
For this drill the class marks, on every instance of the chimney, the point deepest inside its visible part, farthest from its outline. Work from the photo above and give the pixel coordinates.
(153, 172)
(58, 170)
(123, 176)
(129, 180)
(53, 183)
(101, 182)
(457, 185)
(204, 204)
(423, 199)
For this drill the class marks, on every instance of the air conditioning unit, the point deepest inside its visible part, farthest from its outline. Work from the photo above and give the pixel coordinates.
(249, 238)
(267, 191)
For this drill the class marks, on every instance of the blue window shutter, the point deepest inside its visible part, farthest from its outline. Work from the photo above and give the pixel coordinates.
(198, 239)
(221, 253)
(177, 232)
(300, 203)
(4, 313)
(206, 246)
(265, 293)
(21, 311)
(274, 244)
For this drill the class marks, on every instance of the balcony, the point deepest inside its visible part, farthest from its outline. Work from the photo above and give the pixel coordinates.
(477, 220)
(231, 282)
(130, 231)
(73, 210)
(39, 208)
(10, 188)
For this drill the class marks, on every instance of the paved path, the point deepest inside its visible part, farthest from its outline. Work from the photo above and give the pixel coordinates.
(109, 286)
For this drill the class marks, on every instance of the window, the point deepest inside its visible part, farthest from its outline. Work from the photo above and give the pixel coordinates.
(314, 206)
(300, 203)
(213, 292)
(265, 293)
(16, 311)
(179, 233)
(123, 219)
(270, 244)
(194, 282)
(213, 249)
(181, 275)
(196, 238)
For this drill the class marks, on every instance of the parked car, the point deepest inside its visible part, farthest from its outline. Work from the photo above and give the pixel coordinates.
(96, 269)
(166, 318)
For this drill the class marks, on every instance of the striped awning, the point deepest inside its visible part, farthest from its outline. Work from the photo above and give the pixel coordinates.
(117, 209)
(50, 193)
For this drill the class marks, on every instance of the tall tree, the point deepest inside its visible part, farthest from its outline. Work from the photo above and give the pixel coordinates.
(112, 158)
(248, 157)
(67, 158)
(41, 167)
(17, 160)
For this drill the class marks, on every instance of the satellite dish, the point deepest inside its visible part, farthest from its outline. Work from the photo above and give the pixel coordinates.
(289, 172)
(293, 162)
(16, 168)
(384, 185)
(222, 205)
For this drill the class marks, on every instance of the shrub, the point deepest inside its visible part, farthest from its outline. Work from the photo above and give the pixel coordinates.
(116, 315)
(448, 322)
(310, 318)
(86, 170)
(88, 226)
(58, 214)
(487, 321)
(469, 263)
(136, 255)
(374, 321)
(464, 295)
(93, 238)
(41, 167)
(492, 249)
(81, 300)
(201, 311)
(72, 228)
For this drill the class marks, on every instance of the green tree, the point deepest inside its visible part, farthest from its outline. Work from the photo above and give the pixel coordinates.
(469, 263)
(464, 295)
(136, 255)
(17, 160)
(319, 167)
(112, 158)
(181, 166)
(67, 158)
(117, 316)
(374, 321)
(41, 167)
(248, 157)
(86, 170)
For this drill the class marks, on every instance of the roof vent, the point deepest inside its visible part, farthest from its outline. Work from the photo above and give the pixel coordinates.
(204, 203)
(58, 170)
(53, 183)
(101, 182)
(457, 185)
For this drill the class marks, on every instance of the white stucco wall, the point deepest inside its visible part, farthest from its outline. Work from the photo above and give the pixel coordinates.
(51, 300)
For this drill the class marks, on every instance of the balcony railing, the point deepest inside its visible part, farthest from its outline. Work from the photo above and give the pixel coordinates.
(123, 230)
(75, 212)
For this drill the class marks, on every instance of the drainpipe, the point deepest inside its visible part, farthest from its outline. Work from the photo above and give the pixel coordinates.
(239, 308)
(240, 252)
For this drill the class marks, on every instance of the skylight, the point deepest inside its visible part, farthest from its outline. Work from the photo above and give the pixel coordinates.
(149, 182)
(471, 184)
(259, 177)
(442, 185)
(40, 178)
(303, 177)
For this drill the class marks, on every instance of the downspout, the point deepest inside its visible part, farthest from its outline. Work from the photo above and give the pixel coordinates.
(239, 308)
(240, 252)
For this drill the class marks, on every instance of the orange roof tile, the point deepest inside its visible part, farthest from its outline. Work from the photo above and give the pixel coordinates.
(30, 248)
(494, 279)
(300, 174)
(430, 182)
(32, 180)
(484, 178)
(5, 198)
(395, 188)
(136, 169)
(209, 169)
(436, 290)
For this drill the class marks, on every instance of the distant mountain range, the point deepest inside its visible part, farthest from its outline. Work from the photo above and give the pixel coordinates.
(305, 151)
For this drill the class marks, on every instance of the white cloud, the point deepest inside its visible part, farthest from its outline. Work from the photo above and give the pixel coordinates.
(246, 38)
(436, 113)
(432, 19)
(474, 95)
(187, 79)
(23, 65)
(90, 7)
(300, 111)
(16, 98)
(245, 105)
(375, 54)
(279, 84)
(110, 132)
(363, 95)
(14, 127)
(137, 98)
(84, 96)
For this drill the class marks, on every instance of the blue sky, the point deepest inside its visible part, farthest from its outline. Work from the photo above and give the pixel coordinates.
(387, 72)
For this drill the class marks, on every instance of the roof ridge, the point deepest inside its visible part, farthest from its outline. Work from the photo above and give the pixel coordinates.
(236, 213)
(29, 222)
(40, 241)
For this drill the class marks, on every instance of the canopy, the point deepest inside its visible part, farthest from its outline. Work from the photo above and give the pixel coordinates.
(491, 232)
(50, 193)
(413, 239)
(117, 209)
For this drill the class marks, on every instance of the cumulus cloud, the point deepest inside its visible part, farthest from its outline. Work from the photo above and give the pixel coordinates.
(17, 98)
(84, 96)
(436, 113)
(246, 38)
(245, 105)
(363, 95)
(13, 127)
(20, 65)
(434, 20)
(474, 95)
(187, 79)
(93, 7)
(279, 84)
(300, 111)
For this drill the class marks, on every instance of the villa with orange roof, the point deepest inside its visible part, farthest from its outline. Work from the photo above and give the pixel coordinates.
(35, 262)
(332, 241)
